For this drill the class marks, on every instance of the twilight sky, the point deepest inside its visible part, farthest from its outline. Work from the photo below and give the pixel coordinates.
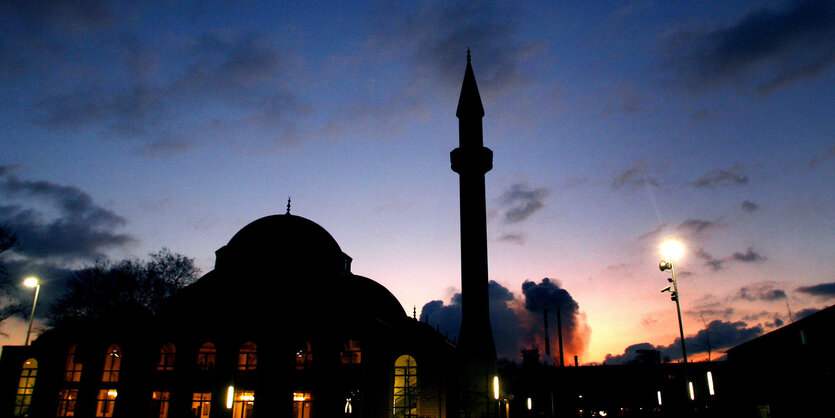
(131, 126)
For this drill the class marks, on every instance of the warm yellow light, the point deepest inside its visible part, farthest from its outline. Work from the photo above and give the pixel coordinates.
(710, 383)
(692, 394)
(31, 281)
(530, 404)
(672, 249)
(496, 387)
(300, 396)
(659, 398)
(112, 393)
(230, 396)
(246, 397)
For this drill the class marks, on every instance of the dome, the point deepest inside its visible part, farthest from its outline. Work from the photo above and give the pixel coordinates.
(286, 239)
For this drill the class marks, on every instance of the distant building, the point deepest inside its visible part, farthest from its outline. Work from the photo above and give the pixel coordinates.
(789, 372)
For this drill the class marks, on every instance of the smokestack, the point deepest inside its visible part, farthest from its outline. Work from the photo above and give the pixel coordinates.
(547, 343)
(559, 336)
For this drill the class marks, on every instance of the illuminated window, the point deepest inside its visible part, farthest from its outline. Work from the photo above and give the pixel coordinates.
(112, 364)
(206, 357)
(66, 402)
(72, 373)
(302, 404)
(351, 353)
(244, 404)
(166, 357)
(106, 402)
(304, 356)
(25, 388)
(159, 404)
(247, 357)
(405, 387)
(201, 404)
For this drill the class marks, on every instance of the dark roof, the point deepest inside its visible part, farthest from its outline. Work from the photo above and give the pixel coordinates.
(284, 241)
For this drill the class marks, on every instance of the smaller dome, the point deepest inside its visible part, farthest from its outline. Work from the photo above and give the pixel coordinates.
(282, 240)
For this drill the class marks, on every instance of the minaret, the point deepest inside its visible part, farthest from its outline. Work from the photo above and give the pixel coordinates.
(471, 160)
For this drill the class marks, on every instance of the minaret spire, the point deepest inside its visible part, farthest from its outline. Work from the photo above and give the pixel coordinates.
(288, 205)
(471, 160)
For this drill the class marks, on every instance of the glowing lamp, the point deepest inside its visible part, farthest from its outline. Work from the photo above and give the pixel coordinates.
(496, 387)
(230, 397)
(672, 249)
(659, 397)
(31, 281)
(710, 384)
(530, 404)
(692, 394)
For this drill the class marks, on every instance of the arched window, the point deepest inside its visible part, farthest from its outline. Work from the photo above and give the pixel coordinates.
(72, 373)
(25, 388)
(304, 356)
(351, 353)
(206, 357)
(405, 387)
(112, 363)
(248, 356)
(166, 357)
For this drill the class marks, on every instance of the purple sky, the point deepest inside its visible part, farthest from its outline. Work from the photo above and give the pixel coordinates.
(127, 128)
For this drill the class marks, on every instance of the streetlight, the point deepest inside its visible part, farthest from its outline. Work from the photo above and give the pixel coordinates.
(672, 250)
(32, 282)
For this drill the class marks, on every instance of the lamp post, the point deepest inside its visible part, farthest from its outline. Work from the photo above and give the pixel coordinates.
(671, 250)
(32, 282)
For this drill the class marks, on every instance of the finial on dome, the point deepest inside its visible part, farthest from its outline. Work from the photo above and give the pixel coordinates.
(288, 205)
(414, 312)
(468, 54)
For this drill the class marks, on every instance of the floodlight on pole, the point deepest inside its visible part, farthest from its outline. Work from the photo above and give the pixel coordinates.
(672, 250)
(32, 282)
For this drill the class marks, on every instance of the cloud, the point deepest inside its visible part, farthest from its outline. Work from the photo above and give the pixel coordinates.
(518, 322)
(749, 256)
(522, 202)
(718, 335)
(222, 89)
(507, 333)
(749, 206)
(714, 263)
(826, 290)
(764, 50)
(514, 238)
(633, 177)
(79, 229)
(731, 176)
(803, 313)
(697, 226)
(765, 291)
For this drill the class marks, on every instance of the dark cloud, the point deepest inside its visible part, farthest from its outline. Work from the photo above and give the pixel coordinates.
(731, 176)
(803, 313)
(437, 33)
(245, 73)
(764, 50)
(716, 336)
(749, 206)
(514, 238)
(507, 333)
(697, 226)
(654, 233)
(826, 290)
(776, 323)
(715, 264)
(515, 325)
(522, 202)
(749, 256)
(80, 229)
(633, 177)
(765, 291)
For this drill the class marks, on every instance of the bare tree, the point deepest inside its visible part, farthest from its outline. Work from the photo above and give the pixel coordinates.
(105, 285)
(9, 305)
